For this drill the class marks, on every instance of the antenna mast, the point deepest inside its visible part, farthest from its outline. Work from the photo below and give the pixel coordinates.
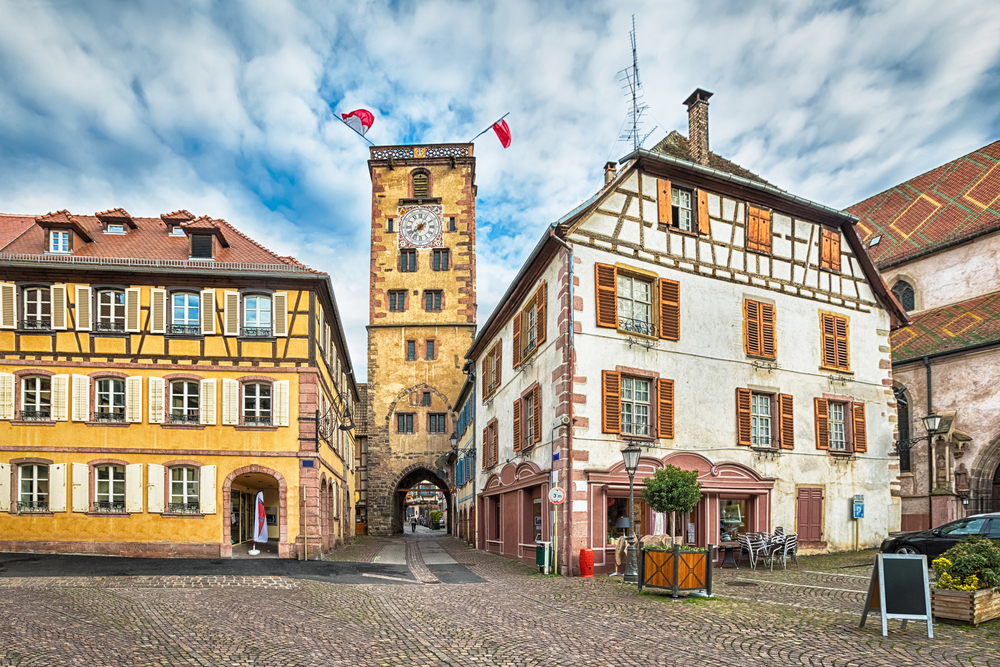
(633, 89)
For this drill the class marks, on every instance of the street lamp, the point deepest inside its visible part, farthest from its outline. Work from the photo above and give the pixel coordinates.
(932, 423)
(631, 456)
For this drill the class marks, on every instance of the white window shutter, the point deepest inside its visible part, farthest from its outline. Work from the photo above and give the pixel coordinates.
(281, 403)
(208, 311)
(81, 487)
(206, 489)
(231, 312)
(8, 306)
(81, 398)
(280, 304)
(4, 487)
(6, 396)
(206, 407)
(133, 306)
(133, 487)
(230, 402)
(57, 487)
(83, 318)
(133, 399)
(58, 296)
(157, 311)
(154, 498)
(60, 398)
(157, 389)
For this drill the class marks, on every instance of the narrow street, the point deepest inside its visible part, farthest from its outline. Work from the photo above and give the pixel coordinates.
(427, 599)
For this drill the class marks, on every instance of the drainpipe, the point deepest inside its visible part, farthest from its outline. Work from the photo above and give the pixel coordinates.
(475, 469)
(570, 354)
(930, 452)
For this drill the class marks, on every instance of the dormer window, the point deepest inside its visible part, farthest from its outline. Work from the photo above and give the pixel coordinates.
(201, 246)
(115, 229)
(58, 241)
(177, 230)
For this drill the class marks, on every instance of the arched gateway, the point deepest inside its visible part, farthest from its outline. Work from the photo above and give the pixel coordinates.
(409, 482)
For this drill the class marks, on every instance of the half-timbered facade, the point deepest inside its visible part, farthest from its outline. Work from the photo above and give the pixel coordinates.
(155, 375)
(726, 325)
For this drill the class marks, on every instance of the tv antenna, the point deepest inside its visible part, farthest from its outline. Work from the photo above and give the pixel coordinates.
(632, 86)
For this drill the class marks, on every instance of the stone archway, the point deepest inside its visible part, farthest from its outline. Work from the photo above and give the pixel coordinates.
(227, 486)
(410, 476)
(984, 471)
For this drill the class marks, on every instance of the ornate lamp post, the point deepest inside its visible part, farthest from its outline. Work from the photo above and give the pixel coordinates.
(932, 423)
(631, 456)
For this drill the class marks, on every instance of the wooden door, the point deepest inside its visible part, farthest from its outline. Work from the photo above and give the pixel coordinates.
(810, 515)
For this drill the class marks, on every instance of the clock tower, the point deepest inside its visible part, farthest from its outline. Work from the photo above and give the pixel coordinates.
(422, 305)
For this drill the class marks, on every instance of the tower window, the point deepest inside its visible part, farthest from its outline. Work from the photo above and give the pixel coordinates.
(411, 350)
(451, 225)
(397, 301)
(420, 189)
(408, 261)
(432, 300)
(904, 293)
(441, 260)
(388, 225)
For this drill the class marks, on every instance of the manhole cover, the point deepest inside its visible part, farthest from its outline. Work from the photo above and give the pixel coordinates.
(740, 583)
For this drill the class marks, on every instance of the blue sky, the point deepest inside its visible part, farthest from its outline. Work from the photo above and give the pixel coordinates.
(227, 109)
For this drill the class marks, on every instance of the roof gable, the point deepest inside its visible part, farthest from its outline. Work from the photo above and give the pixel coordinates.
(676, 145)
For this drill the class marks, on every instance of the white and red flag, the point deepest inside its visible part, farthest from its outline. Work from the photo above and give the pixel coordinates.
(259, 520)
(503, 132)
(359, 120)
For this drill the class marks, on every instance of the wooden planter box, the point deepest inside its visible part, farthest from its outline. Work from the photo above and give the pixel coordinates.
(972, 607)
(676, 570)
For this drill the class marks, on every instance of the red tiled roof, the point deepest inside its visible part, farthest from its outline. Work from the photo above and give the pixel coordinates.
(677, 145)
(180, 215)
(952, 203)
(361, 411)
(948, 328)
(150, 241)
(113, 214)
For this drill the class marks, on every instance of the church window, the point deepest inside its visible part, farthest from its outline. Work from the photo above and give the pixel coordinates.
(904, 293)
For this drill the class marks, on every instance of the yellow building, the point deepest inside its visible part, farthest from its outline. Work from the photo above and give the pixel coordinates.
(422, 319)
(155, 375)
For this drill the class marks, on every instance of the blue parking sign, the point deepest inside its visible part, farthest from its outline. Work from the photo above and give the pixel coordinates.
(859, 510)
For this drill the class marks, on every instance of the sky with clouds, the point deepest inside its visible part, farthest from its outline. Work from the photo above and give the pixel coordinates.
(228, 109)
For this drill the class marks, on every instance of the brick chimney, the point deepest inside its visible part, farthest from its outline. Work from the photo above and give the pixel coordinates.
(697, 105)
(610, 173)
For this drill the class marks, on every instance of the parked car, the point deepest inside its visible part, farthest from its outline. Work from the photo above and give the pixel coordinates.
(936, 541)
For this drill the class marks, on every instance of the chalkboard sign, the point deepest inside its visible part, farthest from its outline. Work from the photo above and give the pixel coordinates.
(899, 588)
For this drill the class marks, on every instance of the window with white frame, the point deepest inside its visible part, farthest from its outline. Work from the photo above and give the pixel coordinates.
(110, 310)
(635, 406)
(58, 241)
(681, 204)
(109, 492)
(635, 304)
(33, 481)
(184, 400)
(760, 411)
(110, 404)
(115, 229)
(257, 403)
(257, 316)
(185, 310)
(37, 308)
(183, 490)
(36, 399)
(838, 438)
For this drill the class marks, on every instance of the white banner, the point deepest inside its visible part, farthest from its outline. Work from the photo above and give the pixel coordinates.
(259, 520)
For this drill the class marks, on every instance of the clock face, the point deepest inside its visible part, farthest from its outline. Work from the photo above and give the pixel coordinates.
(420, 227)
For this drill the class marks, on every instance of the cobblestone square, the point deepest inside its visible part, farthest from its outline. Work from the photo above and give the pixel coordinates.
(806, 615)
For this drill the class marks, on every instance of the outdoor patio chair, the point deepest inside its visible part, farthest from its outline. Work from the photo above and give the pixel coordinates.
(744, 541)
(780, 530)
(758, 549)
(789, 547)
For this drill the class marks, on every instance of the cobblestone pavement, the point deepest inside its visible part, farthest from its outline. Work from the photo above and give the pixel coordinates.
(516, 618)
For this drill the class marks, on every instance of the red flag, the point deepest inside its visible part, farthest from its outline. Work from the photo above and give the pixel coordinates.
(503, 132)
(360, 120)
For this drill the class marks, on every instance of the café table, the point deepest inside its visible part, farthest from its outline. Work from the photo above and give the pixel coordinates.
(728, 549)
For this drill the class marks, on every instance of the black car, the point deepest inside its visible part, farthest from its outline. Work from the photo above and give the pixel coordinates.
(936, 541)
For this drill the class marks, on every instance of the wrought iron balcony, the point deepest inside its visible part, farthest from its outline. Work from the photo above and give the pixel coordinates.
(108, 507)
(186, 417)
(37, 324)
(763, 441)
(42, 415)
(185, 329)
(109, 326)
(636, 326)
(256, 332)
(36, 506)
(112, 417)
(183, 508)
(256, 420)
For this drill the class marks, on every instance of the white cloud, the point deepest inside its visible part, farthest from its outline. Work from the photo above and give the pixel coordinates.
(226, 110)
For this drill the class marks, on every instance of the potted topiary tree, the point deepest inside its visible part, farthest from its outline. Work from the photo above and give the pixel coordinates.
(672, 490)
(968, 576)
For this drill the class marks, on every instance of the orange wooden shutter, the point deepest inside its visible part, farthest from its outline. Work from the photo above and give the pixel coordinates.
(665, 409)
(843, 349)
(517, 338)
(670, 309)
(751, 327)
(767, 344)
(753, 228)
(824, 249)
(611, 408)
(607, 296)
(821, 408)
(703, 223)
(860, 428)
(830, 258)
(664, 204)
(536, 396)
(540, 311)
(499, 365)
(517, 425)
(829, 340)
(743, 417)
(486, 446)
(485, 370)
(764, 240)
(786, 414)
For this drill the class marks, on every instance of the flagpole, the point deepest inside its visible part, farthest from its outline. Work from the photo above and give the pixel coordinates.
(337, 116)
(487, 129)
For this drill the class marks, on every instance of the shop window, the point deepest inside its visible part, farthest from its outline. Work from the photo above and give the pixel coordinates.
(33, 485)
(109, 492)
(184, 497)
(733, 518)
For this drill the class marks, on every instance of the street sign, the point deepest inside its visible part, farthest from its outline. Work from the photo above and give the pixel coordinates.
(557, 495)
(859, 507)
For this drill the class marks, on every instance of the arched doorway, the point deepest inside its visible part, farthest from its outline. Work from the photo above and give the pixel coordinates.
(239, 492)
(413, 494)
(984, 480)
